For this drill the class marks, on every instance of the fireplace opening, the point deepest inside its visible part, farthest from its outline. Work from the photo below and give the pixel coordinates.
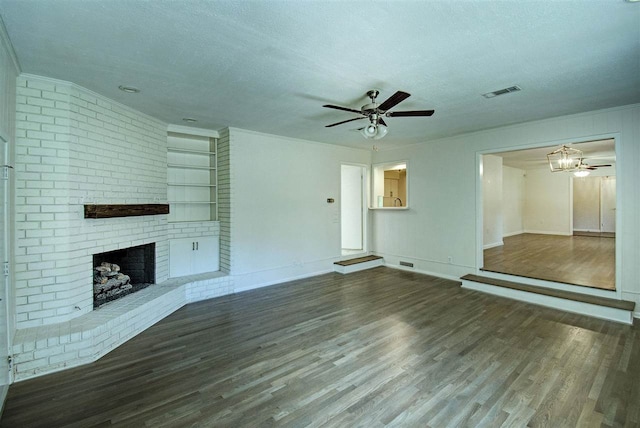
(122, 272)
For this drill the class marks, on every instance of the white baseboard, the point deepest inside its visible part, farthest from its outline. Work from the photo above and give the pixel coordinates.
(506, 235)
(280, 281)
(547, 232)
(493, 245)
(424, 272)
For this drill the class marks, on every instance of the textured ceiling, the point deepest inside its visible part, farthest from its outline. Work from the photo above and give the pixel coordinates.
(268, 66)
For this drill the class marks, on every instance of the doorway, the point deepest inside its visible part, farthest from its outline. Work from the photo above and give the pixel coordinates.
(352, 209)
(531, 224)
(594, 206)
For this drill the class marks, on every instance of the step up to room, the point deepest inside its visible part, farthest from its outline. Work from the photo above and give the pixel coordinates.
(358, 264)
(596, 306)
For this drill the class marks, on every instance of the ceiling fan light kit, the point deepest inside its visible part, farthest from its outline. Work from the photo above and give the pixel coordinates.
(373, 131)
(377, 128)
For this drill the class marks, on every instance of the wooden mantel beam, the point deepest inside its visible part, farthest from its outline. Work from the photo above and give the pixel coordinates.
(127, 210)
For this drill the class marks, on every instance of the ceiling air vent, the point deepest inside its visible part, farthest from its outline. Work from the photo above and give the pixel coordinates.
(502, 91)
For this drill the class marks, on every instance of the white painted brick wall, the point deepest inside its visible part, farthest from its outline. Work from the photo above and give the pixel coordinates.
(193, 229)
(74, 147)
(224, 199)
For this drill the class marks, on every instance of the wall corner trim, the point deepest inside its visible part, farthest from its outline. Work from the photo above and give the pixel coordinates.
(6, 42)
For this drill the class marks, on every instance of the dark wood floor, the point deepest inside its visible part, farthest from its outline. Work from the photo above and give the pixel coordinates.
(580, 260)
(376, 348)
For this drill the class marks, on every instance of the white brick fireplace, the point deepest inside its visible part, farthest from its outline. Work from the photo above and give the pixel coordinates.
(74, 147)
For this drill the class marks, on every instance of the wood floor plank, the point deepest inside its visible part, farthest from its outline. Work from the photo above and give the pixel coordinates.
(374, 348)
(579, 260)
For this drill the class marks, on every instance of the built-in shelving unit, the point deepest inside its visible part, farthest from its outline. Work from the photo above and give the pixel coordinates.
(192, 176)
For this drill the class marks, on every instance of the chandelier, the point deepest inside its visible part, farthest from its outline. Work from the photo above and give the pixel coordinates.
(565, 159)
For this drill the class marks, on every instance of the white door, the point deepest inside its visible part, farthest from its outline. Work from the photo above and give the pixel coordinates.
(586, 204)
(4, 258)
(351, 207)
(608, 204)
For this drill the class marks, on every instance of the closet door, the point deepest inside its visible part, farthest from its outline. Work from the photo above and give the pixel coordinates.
(586, 204)
(608, 204)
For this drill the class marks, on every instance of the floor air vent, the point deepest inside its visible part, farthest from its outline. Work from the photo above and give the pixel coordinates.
(406, 264)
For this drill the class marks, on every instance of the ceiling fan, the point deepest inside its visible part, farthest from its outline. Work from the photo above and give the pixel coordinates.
(591, 167)
(583, 169)
(377, 128)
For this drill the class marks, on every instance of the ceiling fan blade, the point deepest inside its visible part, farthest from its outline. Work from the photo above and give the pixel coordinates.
(381, 122)
(342, 108)
(345, 121)
(410, 113)
(393, 100)
(596, 166)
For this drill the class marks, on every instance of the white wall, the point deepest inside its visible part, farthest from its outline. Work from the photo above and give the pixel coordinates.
(513, 193)
(351, 207)
(281, 224)
(548, 203)
(492, 201)
(441, 221)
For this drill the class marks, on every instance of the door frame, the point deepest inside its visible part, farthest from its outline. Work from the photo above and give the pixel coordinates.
(6, 238)
(619, 206)
(365, 204)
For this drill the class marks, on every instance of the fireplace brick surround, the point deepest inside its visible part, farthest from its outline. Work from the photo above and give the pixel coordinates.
(75, 147)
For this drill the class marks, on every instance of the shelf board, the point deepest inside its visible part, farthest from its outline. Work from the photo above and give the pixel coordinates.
(191, 184)
(172, 165)
(192, 202)
(199, 152)
(128, 210)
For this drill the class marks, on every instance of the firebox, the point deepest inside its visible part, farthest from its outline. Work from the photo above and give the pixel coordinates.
(122, 272)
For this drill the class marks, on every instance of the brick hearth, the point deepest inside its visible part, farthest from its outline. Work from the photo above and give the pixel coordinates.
(40, 350)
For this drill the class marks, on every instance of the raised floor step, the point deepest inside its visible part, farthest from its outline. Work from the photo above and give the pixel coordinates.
(357, 264)
(601, 307)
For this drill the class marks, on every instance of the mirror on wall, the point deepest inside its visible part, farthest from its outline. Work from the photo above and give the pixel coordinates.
(390, 188)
